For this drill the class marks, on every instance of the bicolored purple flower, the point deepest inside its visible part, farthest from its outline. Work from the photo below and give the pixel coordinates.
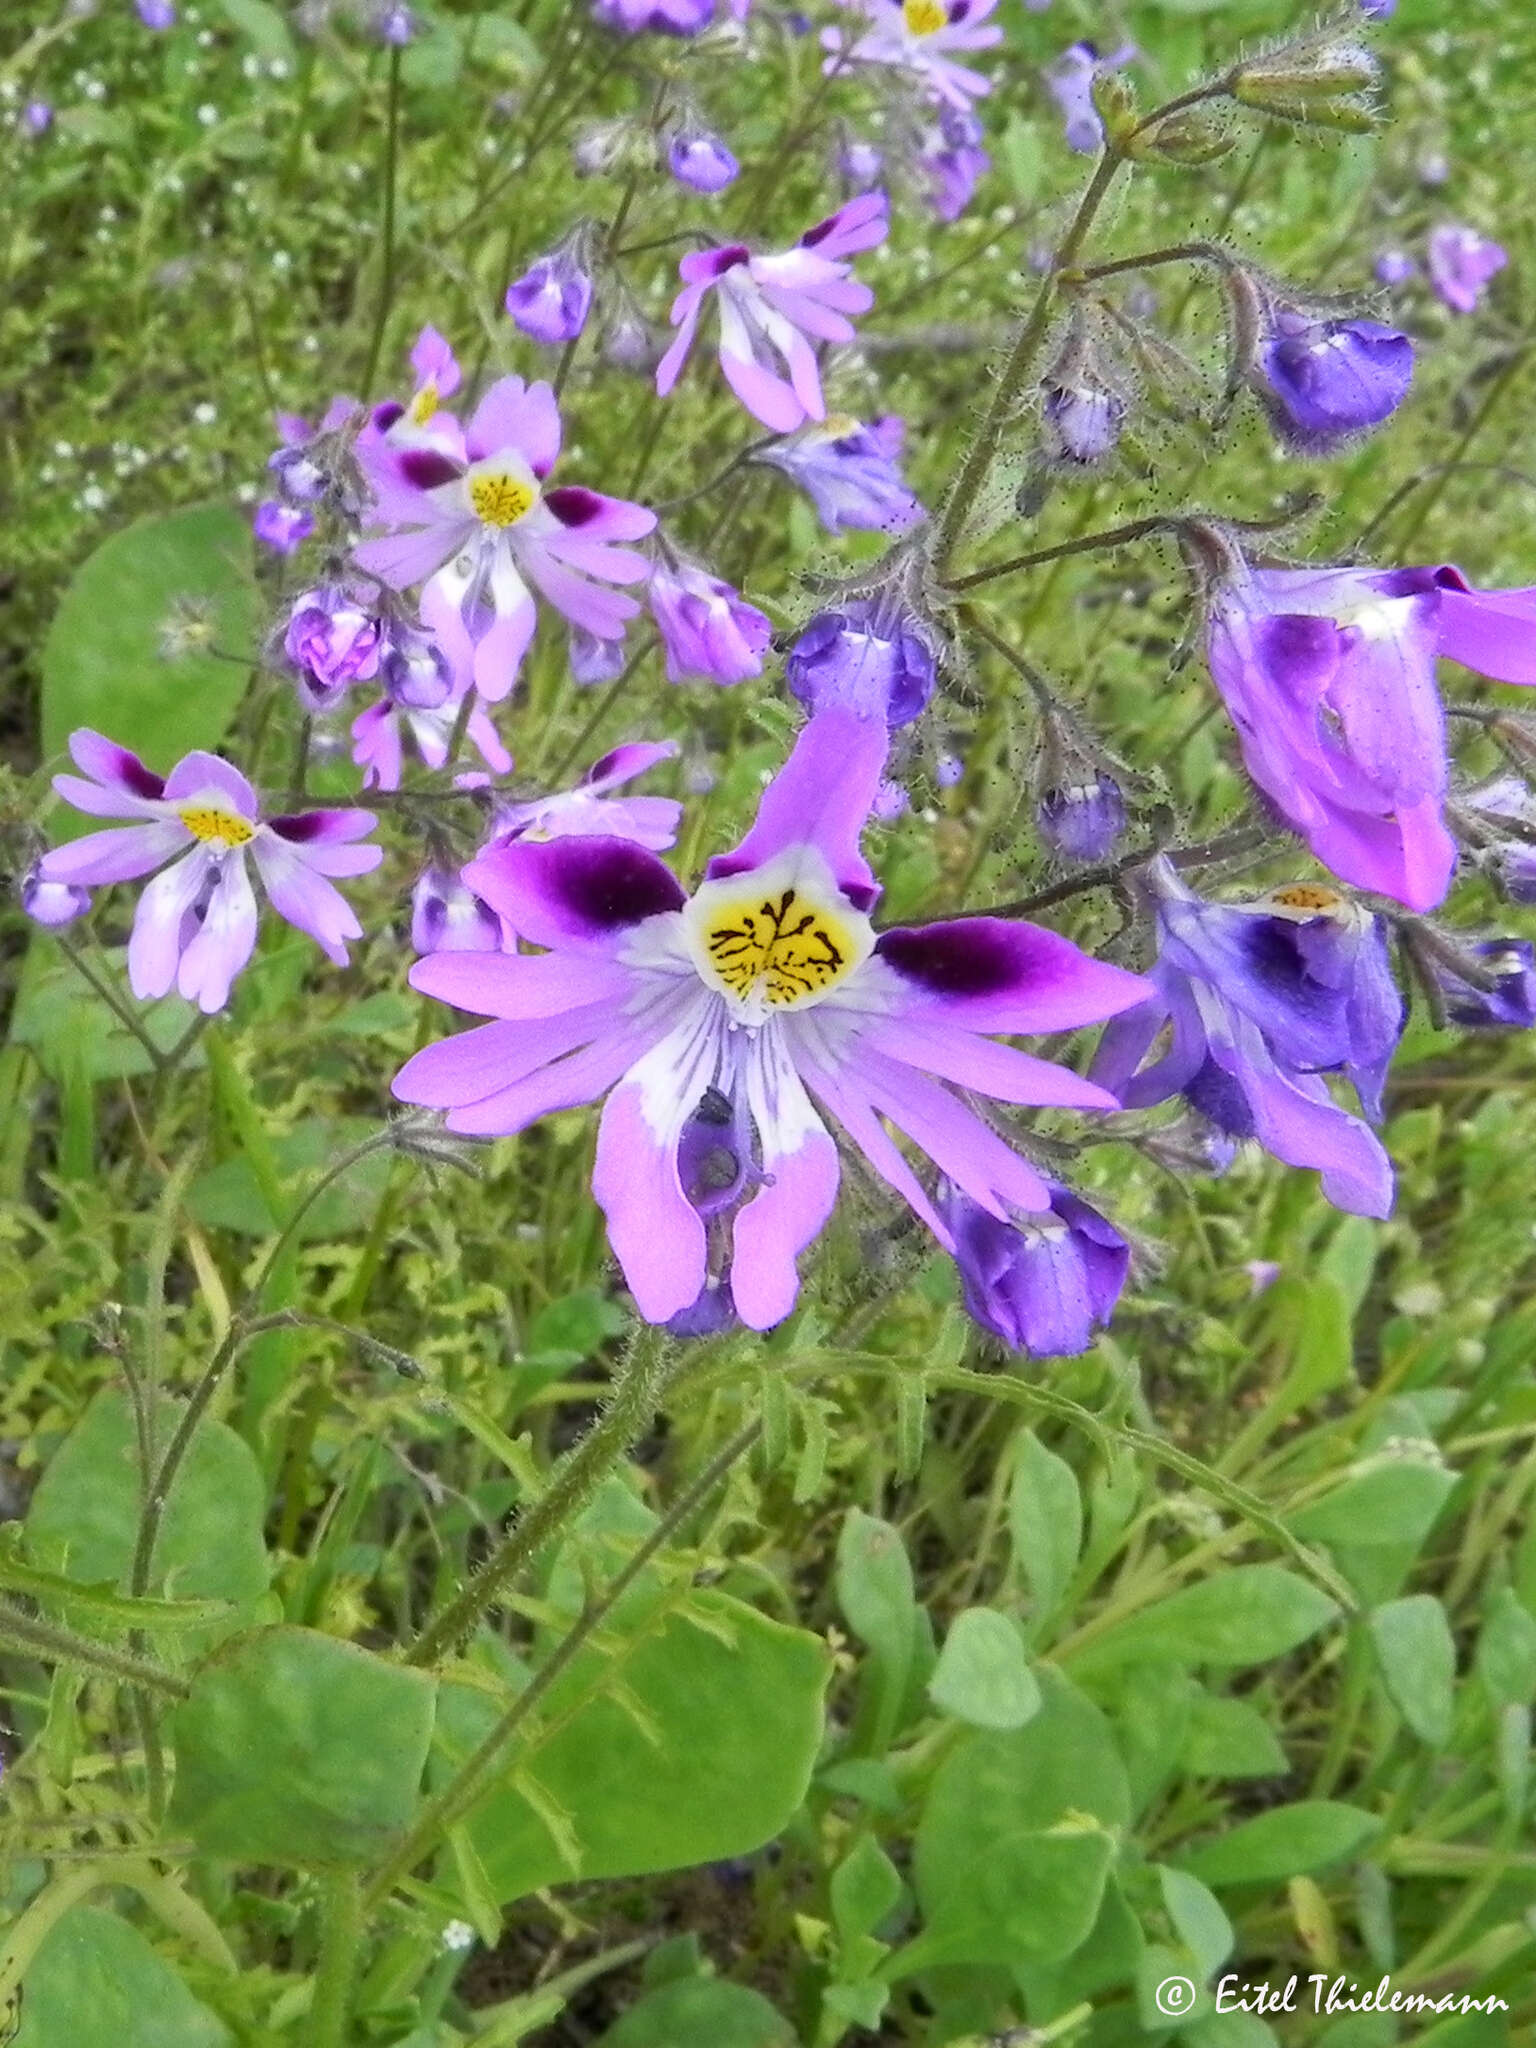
(1329, 677)
(925, 39)
(448, 917)
(592, 811)
(1082, 821)
(868, 656)
(1507, 1001)
(1069, 81)
(850, 472)
(1256, 1003)
(952, 161)
(708, 630)
(196, 921)
(52, 903)
(757, 1007)
(1041, 1283)
(1324, 382)
(477, 523)
(303, 466)
(420, 703)
(698, 158)
(773, 308)
(332, 640)
(283, 528)
(551, 300)
(1461, 263)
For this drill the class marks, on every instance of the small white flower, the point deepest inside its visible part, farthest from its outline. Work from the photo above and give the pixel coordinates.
(281, 260)
(250, 65)
(246, 494)
(207, 114)
(94, 89)
(64, 450)
(458, 1936)
(93, 497)
(278, 68)
(206, 413)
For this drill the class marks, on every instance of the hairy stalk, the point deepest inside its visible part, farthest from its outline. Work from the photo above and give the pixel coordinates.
(460, 1794)
(342, 1927)
(629, 1413)
(387, 262)
(57, 1645)
(344, 1165)
(975, 469)
(109, 995)
(1082, 544)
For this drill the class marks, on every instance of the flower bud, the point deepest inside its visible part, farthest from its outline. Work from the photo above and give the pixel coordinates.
(1492, 987)
(593, 660)
(283, 528)
(52, 903)
(1082, 821)
(698, 158)
(414, 670)
(1045, 1282)
(1083, 401)
(708, 630)
(448, 917)
(1191, 138)
(1315, 68)
(551, 300)
(868, 656)
(331, 643)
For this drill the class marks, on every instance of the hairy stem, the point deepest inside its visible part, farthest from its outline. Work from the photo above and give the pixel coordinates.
(341, 1940)
(387, 269)
(24, 1632)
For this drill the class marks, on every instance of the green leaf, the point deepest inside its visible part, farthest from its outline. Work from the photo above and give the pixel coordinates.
(95, 1982)
(1416, 1655)
(874, 1591)
(1197, 1918)
(299, 1750)
(1395, 1502)
(865, 1887)
(1288, 1841)
(1016, 1839)
(103, 664)
(983, 1675)
(1506, 1652)
(1229, 1738)
(1045, 1523)
(685, 1737)
(700, 2012)
(1247, 1615)
(83, 1520)
(262, 26)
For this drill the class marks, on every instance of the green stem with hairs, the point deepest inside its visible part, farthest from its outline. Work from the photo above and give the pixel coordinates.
(44, 1639)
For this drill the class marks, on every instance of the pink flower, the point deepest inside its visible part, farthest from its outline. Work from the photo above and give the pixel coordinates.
(776, 307)
(476, 525)
(920, 37)
(196, 921)
(719, 1029)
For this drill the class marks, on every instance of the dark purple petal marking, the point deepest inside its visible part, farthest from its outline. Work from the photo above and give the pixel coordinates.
(573, 504)
(967, 958)
(385, 415)
(299, 826)
(141, 780)
(820, 232)
(600, 768)
(607, 883)
(426, 468)
(728, 258)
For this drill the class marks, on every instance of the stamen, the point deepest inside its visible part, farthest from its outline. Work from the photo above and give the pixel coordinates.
(779, 948)
(924, 17)
(210, 825)
(499, 499)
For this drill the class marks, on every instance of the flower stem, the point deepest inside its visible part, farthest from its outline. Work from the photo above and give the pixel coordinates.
(387, 269)
(629, 1413)
(341, 1940)
(26, 1633)
(461, 1793)
(110, 997)
(975, 469)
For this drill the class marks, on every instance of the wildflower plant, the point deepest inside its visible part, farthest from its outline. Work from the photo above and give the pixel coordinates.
(741, 1300)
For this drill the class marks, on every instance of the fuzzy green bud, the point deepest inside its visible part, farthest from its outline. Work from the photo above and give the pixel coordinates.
(1114, 97)
(1189, 138)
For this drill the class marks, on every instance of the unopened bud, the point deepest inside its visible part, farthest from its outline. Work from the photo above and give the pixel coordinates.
(1114, 96)
(1312, 68)
(1192, 138)
(1344, 117)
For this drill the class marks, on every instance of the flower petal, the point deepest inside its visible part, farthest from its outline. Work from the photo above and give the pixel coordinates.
(1001, 974)
(587, 891)
(657, 1236)
(821, 797)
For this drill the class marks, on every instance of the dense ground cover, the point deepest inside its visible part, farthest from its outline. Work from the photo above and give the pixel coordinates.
(896, 1683)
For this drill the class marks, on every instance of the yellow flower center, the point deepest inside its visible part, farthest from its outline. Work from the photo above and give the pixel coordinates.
(499, 499)
(208, 824)
(780, 947)
(1311, 896)
(923, 17)
(424, 404)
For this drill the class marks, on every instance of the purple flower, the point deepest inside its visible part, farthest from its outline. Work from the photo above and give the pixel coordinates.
(1395, 266)
(331, 642)
(394, 23)
(196, 921)
(860, 164)
(156, 14)
(283, 528)
(920, 38)
(1323, 382)
(698, 157)
(1069, 81)
(592, 811)
(36, 117)
(869, 657)
(551, 300)
(1329, 677)
(1378, 10)
(1486, 814)
(709, 631)
(850, 472)
(1510, 1004)
(1460, 263)
(474, 518)
(1082, 423)
(765, 994)
(1042, 1283)
(302, 466)
(448, 917)
(952, 160)
(664, 17)
(1083, 821)
(52, 903)
(1258, 1001)
(593, 660)
(776, 306)
(421, 702)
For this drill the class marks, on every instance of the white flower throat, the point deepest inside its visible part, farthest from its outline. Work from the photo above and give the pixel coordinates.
(779, 938)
